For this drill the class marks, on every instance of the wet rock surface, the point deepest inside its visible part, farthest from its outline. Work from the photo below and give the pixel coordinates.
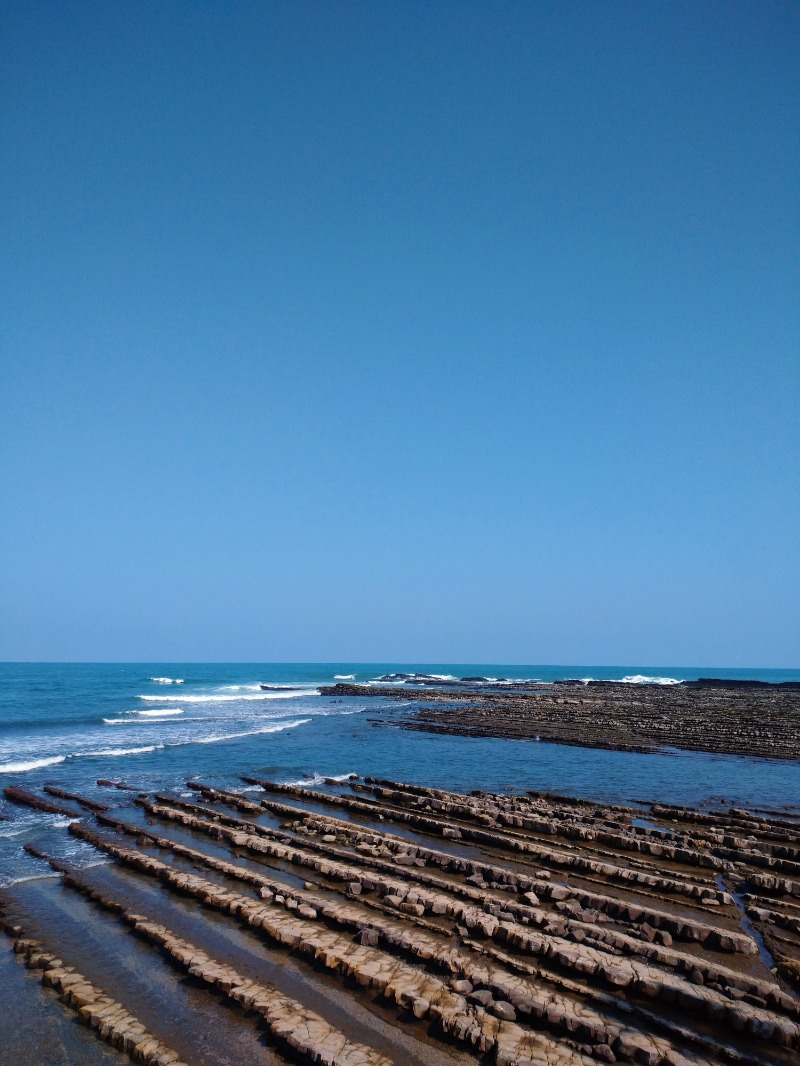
(481, 928)
(726, 717)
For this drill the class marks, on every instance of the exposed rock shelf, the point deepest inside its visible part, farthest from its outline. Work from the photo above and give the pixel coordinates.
(514, 930)
(712, 716)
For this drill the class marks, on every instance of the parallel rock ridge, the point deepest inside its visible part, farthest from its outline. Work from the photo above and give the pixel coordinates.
(517, 930)
(109, 1019)
(734, 718)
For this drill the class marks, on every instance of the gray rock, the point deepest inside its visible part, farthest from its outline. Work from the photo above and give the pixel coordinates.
(483, 997)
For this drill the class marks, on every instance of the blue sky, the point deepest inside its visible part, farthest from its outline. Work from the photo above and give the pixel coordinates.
(457, 332)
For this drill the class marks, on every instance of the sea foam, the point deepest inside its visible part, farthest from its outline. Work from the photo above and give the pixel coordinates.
(319, 779)
(117, 751)
(32, 764)
(643, 679)
(295, 693)
(36, 764)
(251, 732)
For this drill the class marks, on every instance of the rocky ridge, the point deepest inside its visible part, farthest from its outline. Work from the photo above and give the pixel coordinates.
(733, 718)
(507, 929)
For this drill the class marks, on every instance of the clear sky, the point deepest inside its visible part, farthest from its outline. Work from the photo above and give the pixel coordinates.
(423, 331)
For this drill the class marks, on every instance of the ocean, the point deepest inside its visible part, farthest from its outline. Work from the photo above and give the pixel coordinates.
(156, 725)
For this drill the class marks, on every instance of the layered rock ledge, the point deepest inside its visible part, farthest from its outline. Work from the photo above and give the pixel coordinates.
(482, 928)
(723, 717)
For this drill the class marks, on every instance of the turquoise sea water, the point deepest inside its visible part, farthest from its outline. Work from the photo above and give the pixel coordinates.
(156, 725)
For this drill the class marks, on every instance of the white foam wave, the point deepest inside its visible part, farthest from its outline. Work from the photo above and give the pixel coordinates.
(117, 751)
(344, 677)
(252, 732)
(264, 686)
(36, 820)
(635, 679)
(104, 861)
(207, 719)
(17, 832)
(166, 680)
(35, 764)
(162, 714)
(643, 679)
(44, 875)
(319, 779)
(410, 679)
(294, 694)
(32, 764)
(512, 680)
(306, 782)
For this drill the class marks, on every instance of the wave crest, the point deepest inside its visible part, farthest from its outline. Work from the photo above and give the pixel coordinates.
(252, 732)
(31, 764)
(643, 679)
(315, 779)
(294, 694)
(117, 751)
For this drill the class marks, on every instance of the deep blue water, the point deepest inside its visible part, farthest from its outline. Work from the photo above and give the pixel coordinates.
(72, 723)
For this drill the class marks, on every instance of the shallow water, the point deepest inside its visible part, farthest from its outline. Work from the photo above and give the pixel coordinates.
(49, 1033)
(131, 971)
(70, 724)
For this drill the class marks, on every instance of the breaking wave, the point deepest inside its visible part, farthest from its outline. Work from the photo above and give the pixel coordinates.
(36, 764)
(293, 694)
(44, 875)
(251, 732)
(312, 780)
(635, 679)
(116, 751)
(643, 679)
(34, 821)
(32, 764)
(410, 679)
(167, 680)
